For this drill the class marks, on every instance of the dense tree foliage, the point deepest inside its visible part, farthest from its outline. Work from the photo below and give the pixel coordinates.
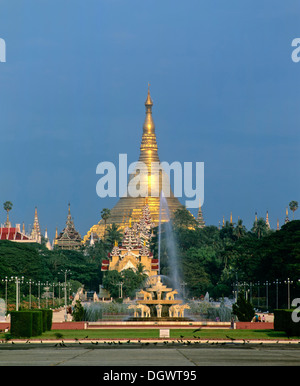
(213, 260)
(208, 260)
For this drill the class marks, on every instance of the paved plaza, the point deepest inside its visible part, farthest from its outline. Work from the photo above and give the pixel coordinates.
(91, 354)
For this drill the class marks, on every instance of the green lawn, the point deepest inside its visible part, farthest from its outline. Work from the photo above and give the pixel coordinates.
(154, 333)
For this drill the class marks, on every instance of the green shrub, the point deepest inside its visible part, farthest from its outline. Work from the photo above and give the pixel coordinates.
(283, 322)
(243, 309)
(37, 323)
(27, 323)
(47, 318)
(21, 324)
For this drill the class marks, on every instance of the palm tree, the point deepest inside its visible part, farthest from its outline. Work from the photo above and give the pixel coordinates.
(260, 228)
(105, 214)
(293, 206)
(113, 235)
(240, 230)
(7, 207)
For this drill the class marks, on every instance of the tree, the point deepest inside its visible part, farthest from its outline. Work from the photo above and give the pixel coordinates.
(78, 312)
(260, 228)
(184, 219)
(105, 214)
(293, 206)
(240, 230)
(113, 234)
(243, 309)
(7, 207)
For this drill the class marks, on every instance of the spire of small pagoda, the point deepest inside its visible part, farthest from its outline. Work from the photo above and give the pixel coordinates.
(200, 220)
(267, 220)
(36, 231)
(286, 216)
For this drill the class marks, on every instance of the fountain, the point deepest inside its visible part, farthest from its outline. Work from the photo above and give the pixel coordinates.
(159, 301)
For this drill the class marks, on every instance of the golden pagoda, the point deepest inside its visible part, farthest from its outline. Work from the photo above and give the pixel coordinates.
(131, 207)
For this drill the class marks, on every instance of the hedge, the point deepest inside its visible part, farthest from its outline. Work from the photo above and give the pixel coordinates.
(283, 322)
(47, 318)
(21, 324)
(27, 323)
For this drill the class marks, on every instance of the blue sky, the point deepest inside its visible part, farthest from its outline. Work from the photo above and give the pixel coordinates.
(73, 87)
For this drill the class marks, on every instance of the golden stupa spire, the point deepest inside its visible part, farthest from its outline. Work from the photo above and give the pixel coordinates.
(148, 150)
(230, 217)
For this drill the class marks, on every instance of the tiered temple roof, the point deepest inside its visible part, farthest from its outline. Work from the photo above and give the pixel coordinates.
(135, 247)
(69, 238)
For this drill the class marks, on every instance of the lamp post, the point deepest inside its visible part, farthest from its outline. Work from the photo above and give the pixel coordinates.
(267, 293)
(258, 287)
(18, 282)
(66, 271)
(276, 282)
(39, 293)
(6, 280)
(29, 282)
(289, 282)
(120, 289)
(251, 292)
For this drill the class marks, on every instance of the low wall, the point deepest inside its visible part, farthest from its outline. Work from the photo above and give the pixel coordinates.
(68, 325)
(254, 325)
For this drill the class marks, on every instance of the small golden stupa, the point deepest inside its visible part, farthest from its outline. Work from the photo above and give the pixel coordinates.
(131, 207)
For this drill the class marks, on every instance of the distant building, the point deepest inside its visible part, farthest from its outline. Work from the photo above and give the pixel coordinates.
(69, 238)
(15, 234)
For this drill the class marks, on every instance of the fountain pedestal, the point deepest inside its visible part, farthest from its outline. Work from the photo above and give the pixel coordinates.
(159, 303)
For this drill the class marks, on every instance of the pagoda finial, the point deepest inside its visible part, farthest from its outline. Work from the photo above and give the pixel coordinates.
(230, 217)
(149, 102)
(267, 220)
(286, 216)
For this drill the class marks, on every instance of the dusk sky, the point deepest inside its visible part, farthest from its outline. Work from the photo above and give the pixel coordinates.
(72, 92)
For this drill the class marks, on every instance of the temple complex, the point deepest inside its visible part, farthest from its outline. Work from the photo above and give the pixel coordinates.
(131, 207)
(69, 238)
(135, 247)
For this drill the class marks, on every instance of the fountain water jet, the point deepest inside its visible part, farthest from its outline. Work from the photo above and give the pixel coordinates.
(159, 297)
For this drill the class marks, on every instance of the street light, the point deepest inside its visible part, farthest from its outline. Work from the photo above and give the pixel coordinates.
(267, 293)
(289, 282)
(276, 282)
(120, 289)
(66, 271)
(18, 282)
(29, 282)
(258, 287)
(6, 280)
